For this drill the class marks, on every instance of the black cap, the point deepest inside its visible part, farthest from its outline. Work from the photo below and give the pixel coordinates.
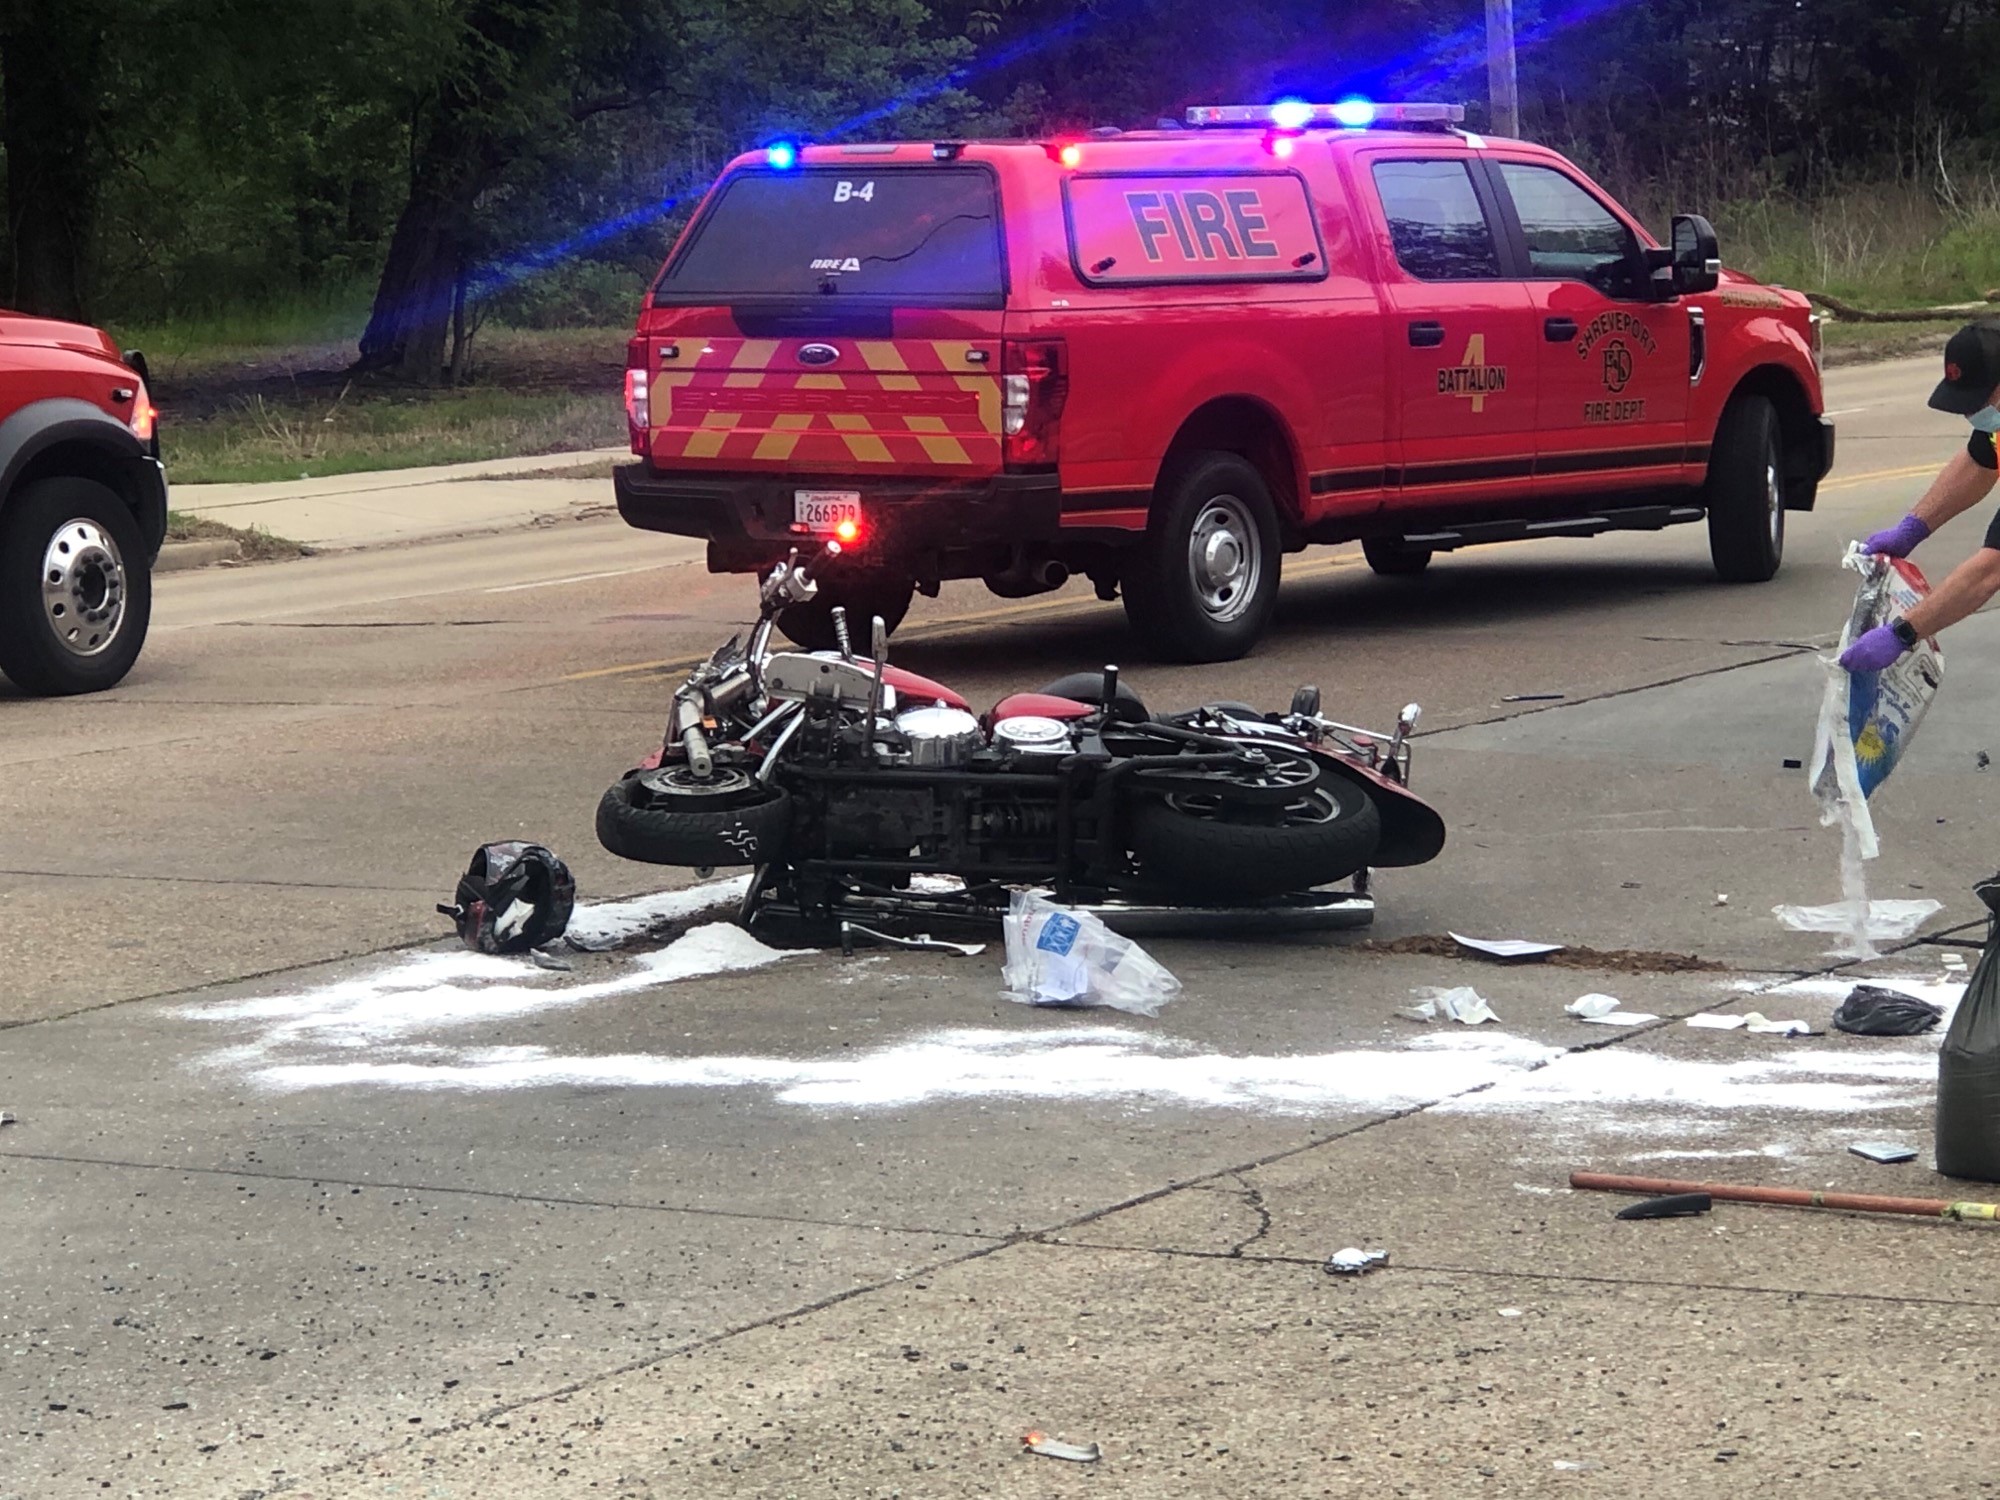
(1971, 369)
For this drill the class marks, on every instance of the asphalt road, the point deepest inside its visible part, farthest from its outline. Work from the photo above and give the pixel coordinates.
(301, 1202)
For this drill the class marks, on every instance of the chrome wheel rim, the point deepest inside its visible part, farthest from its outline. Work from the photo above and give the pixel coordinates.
(1774, 500)
(83, 588)
(679, 781)
(1225, 560)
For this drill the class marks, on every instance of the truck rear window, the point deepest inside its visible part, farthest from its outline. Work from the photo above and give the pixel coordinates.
(922, 234)
(1134, 228)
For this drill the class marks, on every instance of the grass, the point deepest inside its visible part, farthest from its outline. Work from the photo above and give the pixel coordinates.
(276, 413)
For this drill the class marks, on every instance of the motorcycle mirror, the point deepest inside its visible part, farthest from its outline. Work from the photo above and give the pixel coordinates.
(1305, 702)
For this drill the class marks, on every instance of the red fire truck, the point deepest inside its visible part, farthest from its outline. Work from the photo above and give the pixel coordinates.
(1164, 359)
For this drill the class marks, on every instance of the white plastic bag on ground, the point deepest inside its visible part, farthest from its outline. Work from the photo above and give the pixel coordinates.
(1866, 722)
(1464, 1004)
(1056, 956)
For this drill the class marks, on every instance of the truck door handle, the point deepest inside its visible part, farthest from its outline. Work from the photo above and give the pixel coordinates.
(1426, 335)
(1559, 330)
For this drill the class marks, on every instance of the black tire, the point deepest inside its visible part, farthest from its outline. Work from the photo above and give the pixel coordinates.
(1394, 559)
(82, 541)
(1746, 492)
(738, 825)
(1203, 583)
(810, 625)
(1212, 857)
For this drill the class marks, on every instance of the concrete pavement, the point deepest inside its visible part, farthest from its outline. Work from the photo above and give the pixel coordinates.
(304, 1202)
(408, 505)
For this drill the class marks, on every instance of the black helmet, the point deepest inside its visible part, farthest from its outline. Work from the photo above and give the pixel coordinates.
(512, 897)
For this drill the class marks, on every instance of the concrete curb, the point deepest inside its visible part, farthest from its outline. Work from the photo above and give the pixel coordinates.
(176, 557)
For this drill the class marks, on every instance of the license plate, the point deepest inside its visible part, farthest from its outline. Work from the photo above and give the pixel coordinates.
(824, 510)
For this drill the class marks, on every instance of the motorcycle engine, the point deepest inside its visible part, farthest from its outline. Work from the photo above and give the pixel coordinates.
(1030, 734)
(940, 736)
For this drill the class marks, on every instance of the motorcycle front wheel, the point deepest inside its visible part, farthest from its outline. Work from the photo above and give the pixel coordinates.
(670, 817)
(1215, 850)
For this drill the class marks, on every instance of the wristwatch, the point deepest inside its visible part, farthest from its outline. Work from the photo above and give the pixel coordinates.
(1905, 632)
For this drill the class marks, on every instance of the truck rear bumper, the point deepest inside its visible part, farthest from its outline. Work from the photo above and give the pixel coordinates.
(747, 519)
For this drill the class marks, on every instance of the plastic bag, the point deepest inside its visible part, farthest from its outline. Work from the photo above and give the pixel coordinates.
(1867, 719)
(1870, 1010)
(1464, 1004)
(1060, 957)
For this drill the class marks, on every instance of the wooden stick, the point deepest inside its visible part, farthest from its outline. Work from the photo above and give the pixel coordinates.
(1866, 1203)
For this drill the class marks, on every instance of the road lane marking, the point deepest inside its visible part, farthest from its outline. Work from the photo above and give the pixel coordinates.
(549, 583)
(952, 624)
(1848, 481)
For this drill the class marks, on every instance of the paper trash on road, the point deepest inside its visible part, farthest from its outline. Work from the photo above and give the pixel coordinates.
(1605, 1010)
(1506, 947)
(1464, 1004)
(1352, 1262)
(1882, 922)
(1750, 1021)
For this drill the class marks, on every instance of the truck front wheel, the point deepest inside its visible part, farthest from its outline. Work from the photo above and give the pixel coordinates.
(75, 592)
(1203, 583)
(1746, 492)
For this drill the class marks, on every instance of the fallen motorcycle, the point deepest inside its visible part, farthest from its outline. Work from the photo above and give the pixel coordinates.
(857, 789)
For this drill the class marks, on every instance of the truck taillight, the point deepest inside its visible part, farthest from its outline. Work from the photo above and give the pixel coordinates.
(1034, 384)
(635, 399)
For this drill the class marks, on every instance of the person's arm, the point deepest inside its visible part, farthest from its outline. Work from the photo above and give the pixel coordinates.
(1965, 589)
(1960, 485)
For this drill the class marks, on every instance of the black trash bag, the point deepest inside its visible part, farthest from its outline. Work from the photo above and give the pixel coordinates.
(1968, 1099)
(1871, 1010)
(512, 897)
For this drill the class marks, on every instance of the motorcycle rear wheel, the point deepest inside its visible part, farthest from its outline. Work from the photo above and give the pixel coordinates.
(666, 817)
(1218, 851)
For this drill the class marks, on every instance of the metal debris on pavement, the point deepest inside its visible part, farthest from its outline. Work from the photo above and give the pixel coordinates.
(1533, 697)
(1048, 1447)
(1888, 1153)
(1353, 1262)
(547, 960)
(1510, 948)
(1672, 1206)
(923, 942)
(8, 1117)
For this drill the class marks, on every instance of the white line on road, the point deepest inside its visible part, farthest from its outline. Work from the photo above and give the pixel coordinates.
(549, 583)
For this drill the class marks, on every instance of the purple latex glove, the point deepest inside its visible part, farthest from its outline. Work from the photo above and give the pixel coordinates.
(1901, 539)
(1873, 651)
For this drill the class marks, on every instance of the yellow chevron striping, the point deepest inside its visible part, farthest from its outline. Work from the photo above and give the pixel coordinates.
(821, 383)
(867, 449)
(880, 356)
(926, 424)
(755, 354)
(743, 382)
(715, 426)
(900, 383)
(987, 390)
(945, 450)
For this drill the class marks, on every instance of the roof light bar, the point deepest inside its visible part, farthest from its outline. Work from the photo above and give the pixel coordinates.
(1351, 114)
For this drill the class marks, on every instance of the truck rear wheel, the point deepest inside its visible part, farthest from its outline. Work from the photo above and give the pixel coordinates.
(1205, 580)
(1746, 492)
(810, 625)
(76, 594)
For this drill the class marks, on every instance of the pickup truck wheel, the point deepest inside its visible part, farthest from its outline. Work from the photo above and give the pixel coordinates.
(1746, 493)
(76, 594)
(1205, 580)
(810, 625)
(1394, 559)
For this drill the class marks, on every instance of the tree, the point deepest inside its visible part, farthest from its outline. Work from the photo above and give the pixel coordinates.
(52, 63)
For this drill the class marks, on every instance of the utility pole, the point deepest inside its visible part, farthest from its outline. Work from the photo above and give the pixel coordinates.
(1502, 86)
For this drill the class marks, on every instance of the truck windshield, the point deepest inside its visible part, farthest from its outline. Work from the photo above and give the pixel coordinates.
(925, 234)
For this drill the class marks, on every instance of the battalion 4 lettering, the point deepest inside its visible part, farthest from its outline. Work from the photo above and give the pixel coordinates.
(1472, 377)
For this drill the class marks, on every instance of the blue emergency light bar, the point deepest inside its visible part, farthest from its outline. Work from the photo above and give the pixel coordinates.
(1349, 114)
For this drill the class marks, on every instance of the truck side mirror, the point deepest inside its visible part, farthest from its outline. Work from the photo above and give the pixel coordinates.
(1697, 263)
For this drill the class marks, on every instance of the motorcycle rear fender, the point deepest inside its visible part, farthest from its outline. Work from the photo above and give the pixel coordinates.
(1412, 831)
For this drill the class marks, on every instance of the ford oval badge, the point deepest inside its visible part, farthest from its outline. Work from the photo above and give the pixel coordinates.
(818, 354)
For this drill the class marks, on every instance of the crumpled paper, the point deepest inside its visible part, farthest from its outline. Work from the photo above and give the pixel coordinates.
(1463, 1004)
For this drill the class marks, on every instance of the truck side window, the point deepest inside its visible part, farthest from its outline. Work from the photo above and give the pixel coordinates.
(1435, 221)
(1571, 236)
